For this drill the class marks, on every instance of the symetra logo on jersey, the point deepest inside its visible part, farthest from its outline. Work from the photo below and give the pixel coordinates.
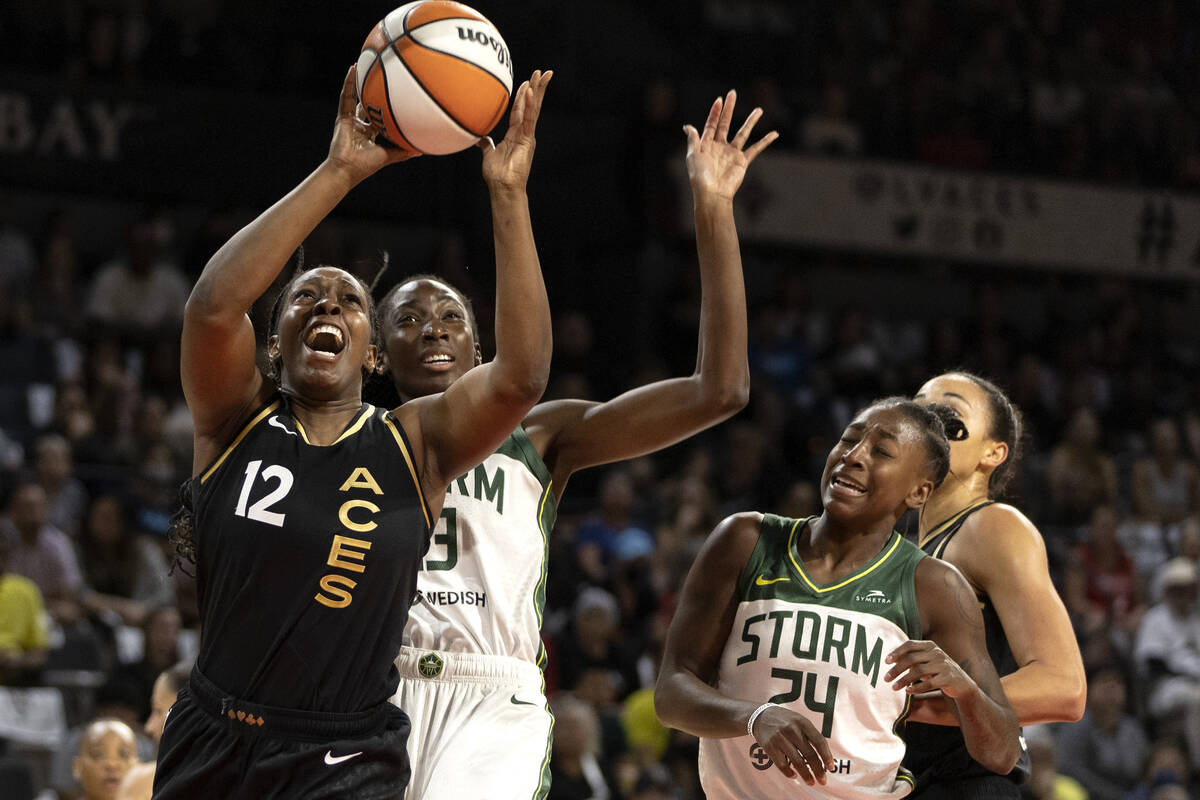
(874, 596)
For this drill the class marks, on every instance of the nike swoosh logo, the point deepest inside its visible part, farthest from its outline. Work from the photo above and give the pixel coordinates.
(517, 702)
(275, 422)
(760, 581)
(332, 760)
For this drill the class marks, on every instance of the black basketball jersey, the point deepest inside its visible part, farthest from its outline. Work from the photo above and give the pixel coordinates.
(938, 752)
(307, 561)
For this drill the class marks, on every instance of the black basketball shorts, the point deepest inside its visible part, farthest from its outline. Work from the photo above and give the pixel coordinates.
(214, 746)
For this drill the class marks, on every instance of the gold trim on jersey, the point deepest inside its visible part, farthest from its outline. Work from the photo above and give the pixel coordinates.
(541, 584)
(354, 428)
(879, 560)
(940, 528)
(238, 440)
(412, 470)
(357, 426)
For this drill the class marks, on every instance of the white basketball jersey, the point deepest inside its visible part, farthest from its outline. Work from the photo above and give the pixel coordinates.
(482, 585)
(819, 651)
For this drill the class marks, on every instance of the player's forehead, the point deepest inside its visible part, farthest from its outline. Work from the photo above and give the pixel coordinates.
(886, 422)
(957, 391)
(425, 291)
(326, 275)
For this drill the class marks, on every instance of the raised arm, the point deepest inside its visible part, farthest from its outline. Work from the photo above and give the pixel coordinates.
(220, 379)
(574, 434)
(685, 698)
(461, 426)
(954, 660)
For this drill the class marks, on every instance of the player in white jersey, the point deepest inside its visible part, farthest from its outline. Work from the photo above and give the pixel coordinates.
(798, 644)
(471, 671)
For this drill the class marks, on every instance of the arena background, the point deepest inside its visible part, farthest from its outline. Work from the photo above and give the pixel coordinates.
(1007, 186)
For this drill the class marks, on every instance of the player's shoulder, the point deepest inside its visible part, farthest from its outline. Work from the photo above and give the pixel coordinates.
(737, 532)
(1001, 525)
(998, 543)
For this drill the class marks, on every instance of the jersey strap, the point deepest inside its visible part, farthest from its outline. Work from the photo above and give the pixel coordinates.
(271, 407)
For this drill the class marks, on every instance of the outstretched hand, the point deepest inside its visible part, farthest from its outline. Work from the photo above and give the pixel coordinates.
(354, 147)
(715, 164)
(507, 164)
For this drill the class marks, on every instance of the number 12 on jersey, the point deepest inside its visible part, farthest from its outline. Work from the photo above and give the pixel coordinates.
(260, 511)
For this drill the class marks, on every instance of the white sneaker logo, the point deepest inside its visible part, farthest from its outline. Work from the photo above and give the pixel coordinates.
(333, 760)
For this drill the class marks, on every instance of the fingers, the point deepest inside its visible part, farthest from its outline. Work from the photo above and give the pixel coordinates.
(693, 138)
(535, 96)
(726, 116)
(710, 124)
(349, 96)
(517, 114)
(760, 145)
(486, 144)
(739, 139)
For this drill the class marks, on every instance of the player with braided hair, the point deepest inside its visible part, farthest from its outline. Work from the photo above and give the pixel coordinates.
(311, 509)
(788, 631)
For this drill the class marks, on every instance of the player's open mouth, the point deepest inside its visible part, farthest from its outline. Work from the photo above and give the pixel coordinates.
(847, 485)
(325, 339)
(439, 362)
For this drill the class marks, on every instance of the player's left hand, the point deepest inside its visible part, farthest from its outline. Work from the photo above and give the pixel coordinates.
(715, 163)
(507, 164)
(922, 666)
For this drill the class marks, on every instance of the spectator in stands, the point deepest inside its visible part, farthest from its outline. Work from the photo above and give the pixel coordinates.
(23, 639)
(140, 291)
(594, 640)
(1165, 485)
(1101, 587)
(1080, 475)
(1168, 652)
(1104, 751)
(111, 703)
(107, 751)
(125, 572)
(1166, 765)
(138, 783)
(66, 498)
(43, 553)
(160, 650)
(1045, 780)
(575, 770)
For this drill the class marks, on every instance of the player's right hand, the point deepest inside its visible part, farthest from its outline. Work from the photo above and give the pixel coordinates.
(715, 163)
(357, 149)
(794, 744)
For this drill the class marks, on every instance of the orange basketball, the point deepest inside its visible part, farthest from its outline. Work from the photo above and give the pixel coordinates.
(435, 76)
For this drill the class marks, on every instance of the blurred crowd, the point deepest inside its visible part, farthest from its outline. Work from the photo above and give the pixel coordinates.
(95, 437)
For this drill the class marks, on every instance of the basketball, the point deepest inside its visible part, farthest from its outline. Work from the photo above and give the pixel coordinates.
(435, 76)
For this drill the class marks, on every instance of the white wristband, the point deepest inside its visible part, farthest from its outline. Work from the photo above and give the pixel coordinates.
(753, 717)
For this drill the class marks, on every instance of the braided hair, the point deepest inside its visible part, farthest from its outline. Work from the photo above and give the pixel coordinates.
(933, 420)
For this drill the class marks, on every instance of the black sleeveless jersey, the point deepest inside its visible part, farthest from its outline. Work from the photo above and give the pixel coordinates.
(938, 752)
(307, 561)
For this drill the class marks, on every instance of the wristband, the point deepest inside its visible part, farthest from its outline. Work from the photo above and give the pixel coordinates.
(754, 717)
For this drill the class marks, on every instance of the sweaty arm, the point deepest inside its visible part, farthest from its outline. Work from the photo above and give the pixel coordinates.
(1002, 554)
(220, 379)
(574, 434)
(458, 428)
(954, 660)
(685, 697)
